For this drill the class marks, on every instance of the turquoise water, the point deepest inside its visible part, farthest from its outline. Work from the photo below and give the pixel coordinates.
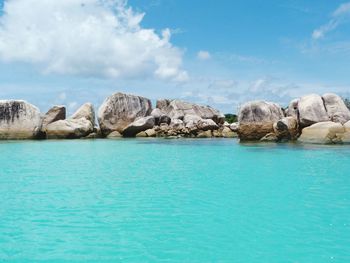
(174, 201)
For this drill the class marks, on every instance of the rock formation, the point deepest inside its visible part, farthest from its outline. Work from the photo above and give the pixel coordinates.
(56, 113)
(119, 110)
(311, 110)
(140, 125)
(323, 133)
(19, 120)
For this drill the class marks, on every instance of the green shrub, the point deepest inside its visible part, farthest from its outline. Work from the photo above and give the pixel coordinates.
(230, 118)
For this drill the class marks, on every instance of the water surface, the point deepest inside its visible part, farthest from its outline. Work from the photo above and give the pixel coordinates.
(174, 201)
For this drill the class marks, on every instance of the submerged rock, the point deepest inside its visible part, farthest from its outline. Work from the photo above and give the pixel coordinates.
(256, 119)
(19, 120)
(323, 133)
(119, 110)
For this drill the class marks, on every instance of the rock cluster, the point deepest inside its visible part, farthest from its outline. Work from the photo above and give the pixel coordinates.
(120, 115)
(309, 119)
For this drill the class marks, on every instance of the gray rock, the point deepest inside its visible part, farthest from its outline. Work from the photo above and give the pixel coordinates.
(19, 120)
(234, 127)
(336, 108)
(85, 111)
(207, 124)
(311, 110)
(256, 119)
(292, 110)
(177, 124)
(119, 110)
(286, 128)
(56, 113)
(139, 125)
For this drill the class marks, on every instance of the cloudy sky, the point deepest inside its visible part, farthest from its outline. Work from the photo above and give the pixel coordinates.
(220, 53)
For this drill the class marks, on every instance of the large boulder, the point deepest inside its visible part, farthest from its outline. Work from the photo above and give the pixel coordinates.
(311, 110)
(323, 133)
(141, 124)
(292, 110)
(346, 135)
(79, 125)
(19, 120)
(56, 113)
(286, 128)
(256, 119)
(119, 110)
(86, 111)
(336, 108)
(177, 109)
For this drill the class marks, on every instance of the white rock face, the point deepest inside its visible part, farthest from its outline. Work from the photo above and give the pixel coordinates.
(119, 110)
(19, 120)
(323, 133)
(336, 108)
(79, 125)
(140, 125)
(256, 119)
(311, 110)
(177, 109)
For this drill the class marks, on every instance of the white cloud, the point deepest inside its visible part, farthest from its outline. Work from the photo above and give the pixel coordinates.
(100, 38)
(337, 18)
(203, 55)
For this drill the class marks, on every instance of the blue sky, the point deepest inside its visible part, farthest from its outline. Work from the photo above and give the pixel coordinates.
(221, 54)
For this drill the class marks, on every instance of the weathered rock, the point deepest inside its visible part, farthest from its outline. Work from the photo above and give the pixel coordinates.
(114, 135)
(228, 133)
(287, 128)
(120, 110)
(139, 125)
(292, 110)
(164, 119)
(69, 129)
(151, 133)
(207, 124)
(93, 135)
(336, 108)
(346, 135)
(177, 124)
(323, 133)
(204, 134)
(19, 120)
(270, 137)
(56, 113)
(177, 109)
(234, 127)
(311, 110)
(256, 119)
(85, 111)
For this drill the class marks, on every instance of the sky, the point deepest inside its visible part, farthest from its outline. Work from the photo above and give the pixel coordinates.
(218, 53)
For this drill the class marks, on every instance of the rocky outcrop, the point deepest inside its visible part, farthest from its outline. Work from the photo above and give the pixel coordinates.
(286, 128)
(140, 125)
(323, 133)
(256, 119)
(79, 125)
(292, 110)
(177, 109)
(311, 110)
(336, 108)
(120, 110)
(56, 113)
(346, 135)
(19, 120)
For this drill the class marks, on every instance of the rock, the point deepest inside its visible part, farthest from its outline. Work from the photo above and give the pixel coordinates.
(177, 124)
(226, 124)
(228, 133)
(19, 120)
(287, 128)
(234, 127)
(323, 133)
(346, 135)
(69, 129)
(56, 113)
(292, 110)
(217, 133)
(120, 110)
(270, 137)
(164, 119)
(177, 109)
(336, 108)
(311, 110)
(93, 135)
(151, 133)
(114, 135)
(139, 125)
(204, 134)
(86, 111)
(141, 134)
(207, 124)
(256, 119)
